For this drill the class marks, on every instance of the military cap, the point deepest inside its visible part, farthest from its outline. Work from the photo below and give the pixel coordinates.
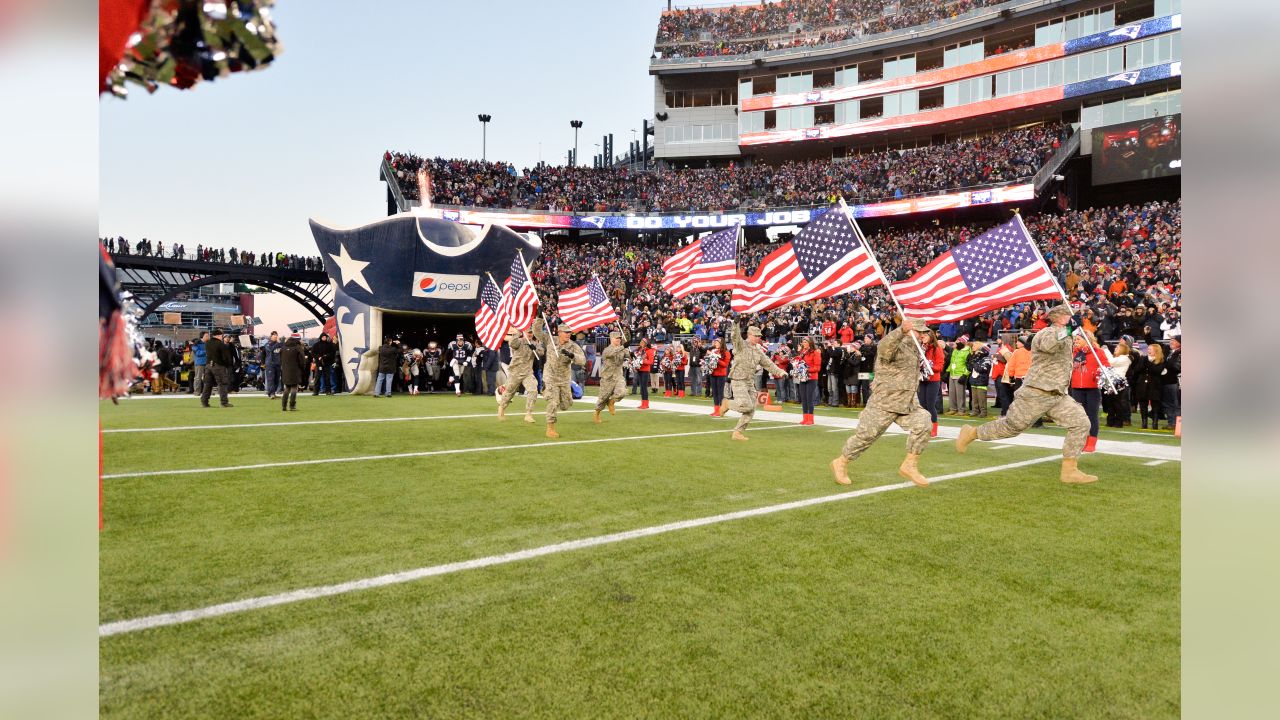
(1060, 309)
(916, 324)
(511, 333)
(564, 328)
(615, 335)
(753, 331)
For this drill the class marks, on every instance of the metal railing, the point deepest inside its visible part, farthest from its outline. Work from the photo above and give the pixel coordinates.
(1051, 166)
(389, 174)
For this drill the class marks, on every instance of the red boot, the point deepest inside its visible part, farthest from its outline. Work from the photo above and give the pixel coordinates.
(681, 393)
(666, 394)
(807, 419)
(1091, 444)
(716, 411)
(934, 431)
(644, 404)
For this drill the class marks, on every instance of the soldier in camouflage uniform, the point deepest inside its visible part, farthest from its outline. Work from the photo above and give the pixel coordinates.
(520, 374)
(613, 384)
(1044, 392)
(893, 399)
(747, 356)
(562, 355)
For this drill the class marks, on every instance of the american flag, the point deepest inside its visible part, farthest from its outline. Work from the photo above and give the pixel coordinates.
(519, 299)
(997, 268)
(708, 264)
(491, 324)
(586, 307)
(826, 258)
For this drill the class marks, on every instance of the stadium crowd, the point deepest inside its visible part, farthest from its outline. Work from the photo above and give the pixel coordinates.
(998, 157)
(702, 32)
(144, 247)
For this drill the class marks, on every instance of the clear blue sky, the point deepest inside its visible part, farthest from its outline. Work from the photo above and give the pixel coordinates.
(245, 160)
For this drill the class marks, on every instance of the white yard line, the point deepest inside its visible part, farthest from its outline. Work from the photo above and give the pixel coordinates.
(426, 453)
(1001, 447)
(1155, 463)
(257, 603)
(182, 428)
(1124, 448)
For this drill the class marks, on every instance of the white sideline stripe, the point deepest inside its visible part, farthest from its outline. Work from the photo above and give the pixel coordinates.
(1154, 463)
(1001, 447)
(1123, 448)
(424, 453)
(311, 593)
(318, 422)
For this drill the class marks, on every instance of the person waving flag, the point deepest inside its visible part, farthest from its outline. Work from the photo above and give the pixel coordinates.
(826, 258)
(707, 264)
(583, 308)
(997, 268)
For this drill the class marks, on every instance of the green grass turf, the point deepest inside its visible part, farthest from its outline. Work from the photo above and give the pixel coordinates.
(1005, 594)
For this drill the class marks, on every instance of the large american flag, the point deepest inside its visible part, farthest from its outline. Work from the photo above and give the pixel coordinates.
(491, 324)
(519, 298)
(586, 307)
(826, 258)
(997, 268)
(708, 264)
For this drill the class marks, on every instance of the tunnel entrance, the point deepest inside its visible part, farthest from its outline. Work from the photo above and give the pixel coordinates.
(415, 330)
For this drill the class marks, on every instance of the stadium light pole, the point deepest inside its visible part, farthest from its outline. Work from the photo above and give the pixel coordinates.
(576, 125)
(484, 134)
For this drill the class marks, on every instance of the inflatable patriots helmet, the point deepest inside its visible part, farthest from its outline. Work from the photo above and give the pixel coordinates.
(410, 264)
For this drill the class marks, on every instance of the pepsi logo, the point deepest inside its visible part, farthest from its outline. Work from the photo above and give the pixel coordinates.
(427, 285)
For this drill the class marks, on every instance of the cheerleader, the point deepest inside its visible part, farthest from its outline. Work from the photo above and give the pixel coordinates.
(718, 359)
(1084, 381)
(811, 357)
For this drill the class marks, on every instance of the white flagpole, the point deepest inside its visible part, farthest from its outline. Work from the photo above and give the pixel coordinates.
(848, 215)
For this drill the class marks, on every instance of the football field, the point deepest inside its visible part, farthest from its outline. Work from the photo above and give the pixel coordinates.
(414, 557)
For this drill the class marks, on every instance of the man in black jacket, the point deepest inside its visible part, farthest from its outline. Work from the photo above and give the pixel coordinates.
(220, 361)
(489, 363)
(388, 360)
(323, 352)
(293, 371)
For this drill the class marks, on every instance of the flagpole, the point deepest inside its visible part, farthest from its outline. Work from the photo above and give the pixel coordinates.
(1061, 291)
(848, 215)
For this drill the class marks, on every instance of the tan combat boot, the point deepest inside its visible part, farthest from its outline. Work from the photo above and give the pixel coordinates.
(1072, 475)
(909, 470)
(611, 410)
(551, 432)
(968, 434)
(840, 468)
(739, 436)
(528, 417)
(502, 413)
(724, 407)
(596, 417)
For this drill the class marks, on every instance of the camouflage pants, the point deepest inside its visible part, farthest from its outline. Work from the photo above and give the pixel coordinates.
(611, 388)
(1029, 405)
(744, 402)
(873, 422)
(514, 384)
(559, 397)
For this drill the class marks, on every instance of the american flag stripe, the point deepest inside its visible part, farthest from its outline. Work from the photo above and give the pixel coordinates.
(491, 324)
(1000, 267)
(707, 264)
(586, 307)
(519, 298)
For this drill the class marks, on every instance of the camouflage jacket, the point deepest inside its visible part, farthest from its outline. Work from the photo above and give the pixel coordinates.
(558, 369)
(897, 374)
(521, 357)
(1050, 360)
(747, 357)
(612, 359)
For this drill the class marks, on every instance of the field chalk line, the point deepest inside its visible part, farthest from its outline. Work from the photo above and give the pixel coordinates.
(181, 428)
(424, 453)
(176, 618)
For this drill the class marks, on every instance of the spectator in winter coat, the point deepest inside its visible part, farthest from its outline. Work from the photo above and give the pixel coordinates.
(293, 371)
(930, 391)
(957, 374)
(979, 366)
(1084, 380)
(388, 358)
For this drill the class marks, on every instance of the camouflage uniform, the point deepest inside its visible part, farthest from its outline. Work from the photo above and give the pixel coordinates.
(558, 371)
(893, 398)
(1044, 392)
(747, 357)
(613, 384)
(520, 373)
